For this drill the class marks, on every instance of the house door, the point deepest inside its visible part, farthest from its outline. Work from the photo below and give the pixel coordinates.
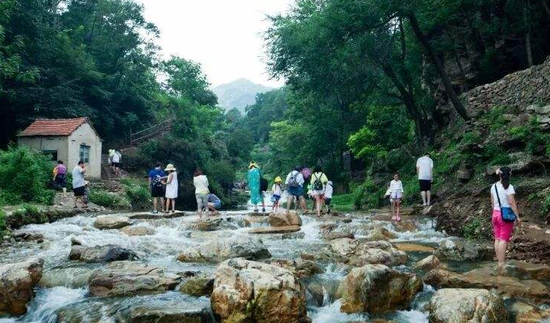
(85, 153)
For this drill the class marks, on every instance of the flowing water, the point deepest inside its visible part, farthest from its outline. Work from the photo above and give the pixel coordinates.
(67, 283)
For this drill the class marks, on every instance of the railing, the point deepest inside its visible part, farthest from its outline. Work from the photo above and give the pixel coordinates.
(152, 132)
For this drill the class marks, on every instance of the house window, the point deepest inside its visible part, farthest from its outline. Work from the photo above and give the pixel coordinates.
(52, 154)
(85, 153)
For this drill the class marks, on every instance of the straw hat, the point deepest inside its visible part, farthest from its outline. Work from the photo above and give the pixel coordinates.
(278, 179)
(253, 164)
(170, 167)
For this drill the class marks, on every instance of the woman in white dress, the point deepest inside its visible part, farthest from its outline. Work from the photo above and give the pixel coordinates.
(171, 188)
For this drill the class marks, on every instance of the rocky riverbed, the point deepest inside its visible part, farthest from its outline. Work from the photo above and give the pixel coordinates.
(242, 267)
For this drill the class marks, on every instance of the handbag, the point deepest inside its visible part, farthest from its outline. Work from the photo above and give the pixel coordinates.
(507, 213)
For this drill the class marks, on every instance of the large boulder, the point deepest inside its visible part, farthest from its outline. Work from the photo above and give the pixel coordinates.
(284, 219)
(461, 250)
(528, 313)
(455, 305)
(380, 233)
(197, 285)
(96, 254)
(166, 314)
(127, 278)
(70, 277)
(486, 278)
(536, 271)
(109, 222)
(247, 291)
(17, 282)
(428, 263)
(300, 268)
(217, 250)
(377, 289)
(138, 230)
(361, 252)
(212, 225)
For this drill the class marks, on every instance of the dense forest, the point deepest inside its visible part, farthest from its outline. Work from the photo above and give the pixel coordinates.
(369, 77)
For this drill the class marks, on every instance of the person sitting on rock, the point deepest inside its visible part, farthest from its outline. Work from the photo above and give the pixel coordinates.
(214, 203)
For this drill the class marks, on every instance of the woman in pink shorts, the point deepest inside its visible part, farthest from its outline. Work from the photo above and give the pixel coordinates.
(502, 230)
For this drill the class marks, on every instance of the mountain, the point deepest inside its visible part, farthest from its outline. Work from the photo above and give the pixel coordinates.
(238, 94)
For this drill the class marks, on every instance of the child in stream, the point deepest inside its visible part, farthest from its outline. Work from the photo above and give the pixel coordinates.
(395, 191)
(277, 190)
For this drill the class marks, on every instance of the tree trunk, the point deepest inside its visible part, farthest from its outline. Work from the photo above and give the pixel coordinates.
(459, 107)
(527, 19)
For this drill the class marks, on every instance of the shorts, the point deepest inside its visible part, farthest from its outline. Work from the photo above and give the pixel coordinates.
(202, 201)
(275, 198)
(218, 205)
(157, 191)
(425, 185)
(327, 201)
(318, 193)
(61, 180)
(79, 191)
(116, 165)
(396, 196)
(296, 191)
(501, 230)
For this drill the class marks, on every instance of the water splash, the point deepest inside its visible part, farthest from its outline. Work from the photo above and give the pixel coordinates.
(331, 313)
(47, 301)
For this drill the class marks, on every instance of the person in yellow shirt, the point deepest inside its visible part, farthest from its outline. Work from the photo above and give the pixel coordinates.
(318, 182)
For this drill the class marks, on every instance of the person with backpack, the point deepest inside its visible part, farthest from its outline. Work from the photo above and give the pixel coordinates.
(277, 192)
(318, 183)
(156, 176)
(505, 214)
(294, 183)
(254, 178)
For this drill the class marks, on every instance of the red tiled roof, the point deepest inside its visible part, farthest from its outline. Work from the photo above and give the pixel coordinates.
(53, 127)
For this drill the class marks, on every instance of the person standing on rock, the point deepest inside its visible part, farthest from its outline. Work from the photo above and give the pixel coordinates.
(396, 195)
(157, 188)
(253, 178)
(318, 182)
(171, 193)
(424, 169)
(295, 189)
(277, 192)
(503, 201)
(201, 191)
(79, 184)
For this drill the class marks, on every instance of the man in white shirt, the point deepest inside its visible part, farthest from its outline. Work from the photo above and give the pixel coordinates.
(295, 188)
(424, 169)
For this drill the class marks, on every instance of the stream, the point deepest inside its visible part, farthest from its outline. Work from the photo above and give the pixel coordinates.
(66, 284)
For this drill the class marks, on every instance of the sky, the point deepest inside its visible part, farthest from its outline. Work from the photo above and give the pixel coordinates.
(224, 36)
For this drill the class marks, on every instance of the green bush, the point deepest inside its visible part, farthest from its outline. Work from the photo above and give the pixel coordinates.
(108, 199)
(344, 202)
(2, 224)
(138, 193)
(478, 229)
(25, 176)
(495, 118)
(546, 206)
(30, 214)
(368, 194)
(533, 137)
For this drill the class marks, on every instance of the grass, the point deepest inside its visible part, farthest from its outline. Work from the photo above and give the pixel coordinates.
(108, 199)
(138, 193)
(343, 202)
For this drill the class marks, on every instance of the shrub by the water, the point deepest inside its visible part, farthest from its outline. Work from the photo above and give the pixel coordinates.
(25, 176)
(138, 193)
(2, 223)
(108, 199)
(30, 214)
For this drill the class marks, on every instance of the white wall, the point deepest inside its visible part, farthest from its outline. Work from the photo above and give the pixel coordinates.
(85, 135)
(60, 144)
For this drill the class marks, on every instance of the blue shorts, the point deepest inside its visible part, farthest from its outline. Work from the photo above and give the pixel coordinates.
(275, 198)
(218, 205)
(296, 191)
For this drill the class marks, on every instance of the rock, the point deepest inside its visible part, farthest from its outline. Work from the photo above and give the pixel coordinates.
(300, 268)
(274, 230)
(413, 247)
(148, 314)
(197, 286)
(361, 252)
(212, 225)
(338, 235)
(28, 236)
(106, 253)
(536, 271)
(247, 291)
(17, 282)
(380, 233)
(405, 226)
(377, 289)
(428, 263)
(217, 250)
(325, 228)
(284, 219)
(293, 235)
(127, 278)
(459, 250)
(486, 278)
(527, 313)
(70, 277)
(454, 305)
(109, 222)
(136, 230)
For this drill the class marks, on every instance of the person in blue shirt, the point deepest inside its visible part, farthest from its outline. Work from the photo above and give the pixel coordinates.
(214, 203)
(156, 175)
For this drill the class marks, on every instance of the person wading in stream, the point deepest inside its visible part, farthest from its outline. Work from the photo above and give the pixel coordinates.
(254, 178)
(295, 189)
(505, 214)
(318, 182)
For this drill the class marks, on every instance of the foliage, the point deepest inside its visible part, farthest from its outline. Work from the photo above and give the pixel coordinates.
(25, 176)
(368, 194)
(536, 141)
(138, 194)
(30, 214)
(108, 199)
(343, 202)
(478, 228)
(3, 227)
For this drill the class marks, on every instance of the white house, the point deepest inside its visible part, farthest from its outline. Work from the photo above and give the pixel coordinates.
(69, 140)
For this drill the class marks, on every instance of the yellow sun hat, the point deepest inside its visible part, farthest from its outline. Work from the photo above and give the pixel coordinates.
(170, 167)
(278, 179)
(253, 164)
